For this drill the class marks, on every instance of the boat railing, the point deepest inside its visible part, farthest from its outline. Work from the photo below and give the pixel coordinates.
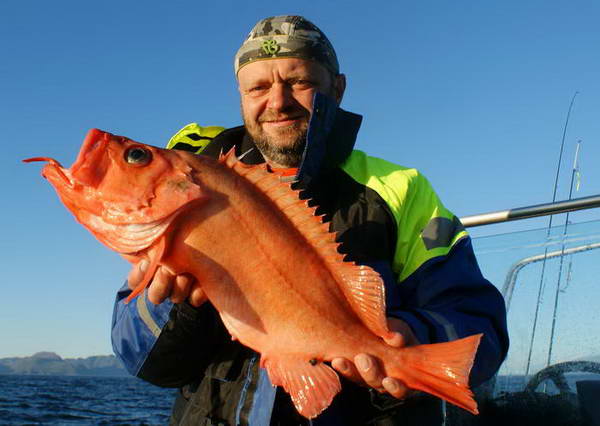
(549, 278)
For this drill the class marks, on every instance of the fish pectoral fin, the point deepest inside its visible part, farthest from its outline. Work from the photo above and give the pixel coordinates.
(310, 383)
(156, 253)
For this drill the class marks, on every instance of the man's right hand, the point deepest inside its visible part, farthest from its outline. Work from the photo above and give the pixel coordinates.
(166, 285)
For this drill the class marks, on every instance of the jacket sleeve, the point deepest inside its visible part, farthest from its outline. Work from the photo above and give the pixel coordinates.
(426, 259)
(164, 344)
(448, 298)
(436, 285)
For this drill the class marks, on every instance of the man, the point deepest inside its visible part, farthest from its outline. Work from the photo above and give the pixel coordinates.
(385, 215)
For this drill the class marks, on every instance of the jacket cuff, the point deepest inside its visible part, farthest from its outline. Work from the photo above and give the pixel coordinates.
(135, 327)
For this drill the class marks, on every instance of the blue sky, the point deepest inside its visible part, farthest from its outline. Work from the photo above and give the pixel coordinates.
(472, 93)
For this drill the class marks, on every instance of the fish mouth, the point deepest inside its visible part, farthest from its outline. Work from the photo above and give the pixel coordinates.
(63, 182)
(93, 147)
(90, 153)
(54, 172)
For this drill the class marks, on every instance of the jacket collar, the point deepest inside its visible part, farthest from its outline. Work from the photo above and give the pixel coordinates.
(330, 139)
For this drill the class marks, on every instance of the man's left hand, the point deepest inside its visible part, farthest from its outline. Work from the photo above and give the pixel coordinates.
(366, 369)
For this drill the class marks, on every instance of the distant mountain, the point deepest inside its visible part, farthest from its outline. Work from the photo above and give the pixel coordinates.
(51, 364)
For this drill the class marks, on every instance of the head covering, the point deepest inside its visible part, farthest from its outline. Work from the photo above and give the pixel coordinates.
(287, 36)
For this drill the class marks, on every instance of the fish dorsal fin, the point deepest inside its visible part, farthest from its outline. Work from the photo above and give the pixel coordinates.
(361, 285)
(310, 383)
(365, 291)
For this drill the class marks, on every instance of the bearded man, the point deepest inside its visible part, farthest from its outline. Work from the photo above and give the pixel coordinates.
(386, 216)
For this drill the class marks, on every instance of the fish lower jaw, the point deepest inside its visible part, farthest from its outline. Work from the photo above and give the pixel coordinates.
(58, 176)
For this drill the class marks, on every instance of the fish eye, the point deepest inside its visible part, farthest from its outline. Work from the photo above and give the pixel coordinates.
(138, 156)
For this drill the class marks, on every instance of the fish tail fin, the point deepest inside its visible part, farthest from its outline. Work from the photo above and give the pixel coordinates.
(441, 369)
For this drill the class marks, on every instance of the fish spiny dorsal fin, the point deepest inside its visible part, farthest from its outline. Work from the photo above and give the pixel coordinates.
(229, 158)
(361, 285)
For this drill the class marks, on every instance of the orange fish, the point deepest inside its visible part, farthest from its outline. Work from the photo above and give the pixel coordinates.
(264, 260)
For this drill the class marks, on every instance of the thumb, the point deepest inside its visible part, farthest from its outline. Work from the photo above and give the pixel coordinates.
(137, 273)
(396, 340)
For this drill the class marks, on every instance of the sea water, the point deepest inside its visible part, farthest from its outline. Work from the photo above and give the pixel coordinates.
(79, 400)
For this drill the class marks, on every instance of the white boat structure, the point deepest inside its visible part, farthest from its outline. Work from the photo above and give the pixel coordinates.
(550, 279)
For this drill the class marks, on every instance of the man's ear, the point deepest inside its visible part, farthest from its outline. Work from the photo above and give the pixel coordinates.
(339, 87)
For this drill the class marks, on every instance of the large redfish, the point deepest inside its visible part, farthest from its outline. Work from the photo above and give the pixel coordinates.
(264, 260)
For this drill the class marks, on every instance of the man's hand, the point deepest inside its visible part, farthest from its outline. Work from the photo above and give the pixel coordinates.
(166, 285)
(366, 369)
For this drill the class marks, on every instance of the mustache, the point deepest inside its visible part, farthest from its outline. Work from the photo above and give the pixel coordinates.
(270, 115)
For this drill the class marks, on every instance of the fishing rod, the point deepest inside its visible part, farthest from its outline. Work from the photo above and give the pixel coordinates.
(574, 172)
(541, 285)
(531, 211)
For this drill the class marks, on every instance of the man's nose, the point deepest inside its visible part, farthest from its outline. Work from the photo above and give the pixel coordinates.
(280, 97)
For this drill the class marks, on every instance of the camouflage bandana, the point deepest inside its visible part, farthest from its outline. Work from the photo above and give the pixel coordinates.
(287, 37)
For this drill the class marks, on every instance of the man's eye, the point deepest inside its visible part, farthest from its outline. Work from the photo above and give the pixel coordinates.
(303, 83)
(256, 89)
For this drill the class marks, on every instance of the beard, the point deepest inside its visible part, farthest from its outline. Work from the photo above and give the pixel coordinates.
(285, 146)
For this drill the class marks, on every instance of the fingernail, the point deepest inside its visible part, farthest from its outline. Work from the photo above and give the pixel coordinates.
(364, 363)
(143, 266)
(343, 366)
(390, 385)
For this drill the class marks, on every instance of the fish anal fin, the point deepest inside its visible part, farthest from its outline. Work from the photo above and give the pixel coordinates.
(312, 385)
(441, 369)
(156, 253)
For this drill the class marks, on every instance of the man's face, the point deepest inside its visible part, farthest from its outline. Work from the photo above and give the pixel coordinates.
(276, 97)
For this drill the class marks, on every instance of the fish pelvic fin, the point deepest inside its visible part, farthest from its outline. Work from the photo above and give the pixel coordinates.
(156, 254)
(312, 385)
(441, 369)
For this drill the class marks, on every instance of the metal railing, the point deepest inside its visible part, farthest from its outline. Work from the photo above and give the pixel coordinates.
(531, 211)
(550, 279)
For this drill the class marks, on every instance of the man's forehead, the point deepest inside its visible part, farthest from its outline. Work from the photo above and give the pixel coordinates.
(283, 68)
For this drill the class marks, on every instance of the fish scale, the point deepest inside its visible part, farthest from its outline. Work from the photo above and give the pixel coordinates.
(269, 266)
